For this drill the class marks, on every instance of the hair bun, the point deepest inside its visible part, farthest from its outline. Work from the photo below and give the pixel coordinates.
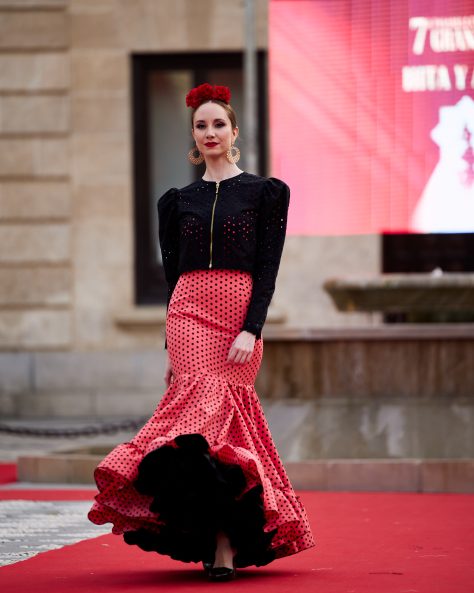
(206, 91)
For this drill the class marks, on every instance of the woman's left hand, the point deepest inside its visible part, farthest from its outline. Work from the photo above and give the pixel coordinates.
(242, 348)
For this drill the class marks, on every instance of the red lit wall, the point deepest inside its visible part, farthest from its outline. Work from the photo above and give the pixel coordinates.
(372, 114)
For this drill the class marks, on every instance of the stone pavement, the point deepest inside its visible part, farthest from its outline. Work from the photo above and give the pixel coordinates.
(28, 527)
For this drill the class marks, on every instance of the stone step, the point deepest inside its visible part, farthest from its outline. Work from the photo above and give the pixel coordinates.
(401, 475)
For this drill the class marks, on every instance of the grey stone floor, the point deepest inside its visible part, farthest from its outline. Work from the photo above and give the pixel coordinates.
(29, 527)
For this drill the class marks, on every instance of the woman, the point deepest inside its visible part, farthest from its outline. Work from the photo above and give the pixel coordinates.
(202, 480)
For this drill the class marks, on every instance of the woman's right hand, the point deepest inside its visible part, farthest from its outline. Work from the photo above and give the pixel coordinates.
(168, 376)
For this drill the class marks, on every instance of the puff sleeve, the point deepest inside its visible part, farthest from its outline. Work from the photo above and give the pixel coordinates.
(271, 233)
(168, 232)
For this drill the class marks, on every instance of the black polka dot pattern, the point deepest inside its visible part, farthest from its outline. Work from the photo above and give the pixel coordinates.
(213, 398)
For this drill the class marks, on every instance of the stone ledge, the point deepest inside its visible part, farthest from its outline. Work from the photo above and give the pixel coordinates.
(273, 330)
(435, 292)
(19, 5)
(407, 475)
(411, 280)
(415, 331)
(145, 317)
(402, 475)
(140, 317)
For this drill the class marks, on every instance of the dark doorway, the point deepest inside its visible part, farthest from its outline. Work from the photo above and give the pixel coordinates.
(162, 139)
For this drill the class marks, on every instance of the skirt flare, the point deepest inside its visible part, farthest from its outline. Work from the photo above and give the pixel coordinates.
(205, 461)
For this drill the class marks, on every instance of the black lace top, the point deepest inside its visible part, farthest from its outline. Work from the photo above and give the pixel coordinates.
(248, 233)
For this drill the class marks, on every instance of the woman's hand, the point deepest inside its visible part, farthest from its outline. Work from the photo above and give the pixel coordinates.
(242, 348)
(168, 376)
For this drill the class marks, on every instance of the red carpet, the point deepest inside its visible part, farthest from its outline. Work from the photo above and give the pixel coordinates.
(20, 494)
(7, 473)
(366, 543)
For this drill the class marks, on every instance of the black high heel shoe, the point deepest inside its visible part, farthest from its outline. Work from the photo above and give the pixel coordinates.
(221, 573)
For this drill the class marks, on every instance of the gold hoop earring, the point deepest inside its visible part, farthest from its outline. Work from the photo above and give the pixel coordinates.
(196, 160)
(233, 158)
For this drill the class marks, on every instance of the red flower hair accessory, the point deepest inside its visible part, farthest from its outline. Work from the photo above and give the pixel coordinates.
(206, 91)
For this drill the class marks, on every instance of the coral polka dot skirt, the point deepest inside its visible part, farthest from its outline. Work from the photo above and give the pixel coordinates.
(205, 461)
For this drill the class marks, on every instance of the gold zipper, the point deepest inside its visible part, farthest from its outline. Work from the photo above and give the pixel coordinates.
(212, 221)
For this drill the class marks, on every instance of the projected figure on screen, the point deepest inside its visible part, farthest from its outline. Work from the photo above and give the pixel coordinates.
(447, 202)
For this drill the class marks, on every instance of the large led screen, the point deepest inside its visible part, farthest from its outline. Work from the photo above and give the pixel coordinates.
(372, 114)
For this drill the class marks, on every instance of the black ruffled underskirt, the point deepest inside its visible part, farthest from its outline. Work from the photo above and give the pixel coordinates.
(195, 495)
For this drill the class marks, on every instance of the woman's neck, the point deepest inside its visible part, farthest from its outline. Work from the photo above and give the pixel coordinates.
(218, 171)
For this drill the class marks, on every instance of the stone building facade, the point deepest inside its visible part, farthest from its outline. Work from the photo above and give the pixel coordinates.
(72, 336)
